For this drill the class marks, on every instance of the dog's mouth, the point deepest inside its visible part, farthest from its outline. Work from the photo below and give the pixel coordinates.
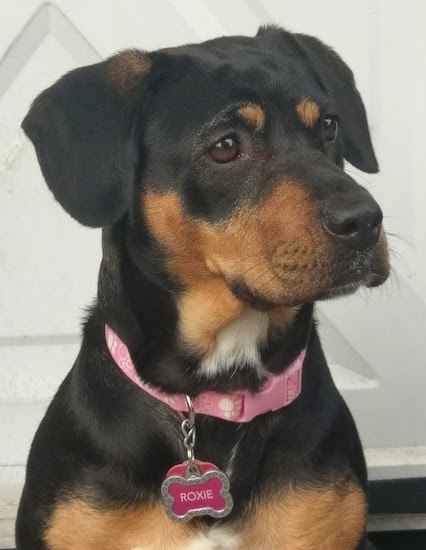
(362, 269)
(333, 276)
(371, 281)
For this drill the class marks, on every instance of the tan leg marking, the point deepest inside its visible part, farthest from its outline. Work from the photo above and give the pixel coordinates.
(75, 525)
(318, 519)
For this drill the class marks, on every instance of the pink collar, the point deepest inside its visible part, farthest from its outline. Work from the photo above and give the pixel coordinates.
(277, 392)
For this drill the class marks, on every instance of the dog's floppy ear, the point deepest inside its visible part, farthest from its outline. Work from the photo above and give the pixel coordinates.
(339, 82)
(336, 79)
(83, 129)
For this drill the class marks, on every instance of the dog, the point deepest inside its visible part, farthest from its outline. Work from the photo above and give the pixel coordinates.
(216, 173)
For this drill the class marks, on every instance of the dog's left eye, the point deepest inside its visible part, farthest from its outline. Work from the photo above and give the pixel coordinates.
(225, 150)
(330, 127)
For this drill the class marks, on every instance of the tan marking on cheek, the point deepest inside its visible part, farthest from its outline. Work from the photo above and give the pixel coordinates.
(253, 114)
(207, 304)
(308, 112)
(166, 221)
(207, 257)
(127, 68)
(299, 251)
(323, 518)
(275, 246)
(75, 524)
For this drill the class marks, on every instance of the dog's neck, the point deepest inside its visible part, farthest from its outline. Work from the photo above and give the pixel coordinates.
(237, 344)
(143, 312)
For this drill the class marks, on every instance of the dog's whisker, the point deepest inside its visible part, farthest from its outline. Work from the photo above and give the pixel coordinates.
(399, 237)
(360, 176)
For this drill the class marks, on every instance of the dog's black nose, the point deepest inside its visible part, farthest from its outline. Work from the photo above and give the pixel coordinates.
(355, 222)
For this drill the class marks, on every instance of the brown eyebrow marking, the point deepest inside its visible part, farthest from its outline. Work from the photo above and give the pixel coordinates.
(308, 112)
(253, 114)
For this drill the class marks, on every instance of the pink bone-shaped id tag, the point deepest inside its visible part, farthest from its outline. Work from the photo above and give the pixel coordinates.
(205, 493)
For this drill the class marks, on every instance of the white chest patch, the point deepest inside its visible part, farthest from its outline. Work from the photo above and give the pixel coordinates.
(216, 539)
(238, 344)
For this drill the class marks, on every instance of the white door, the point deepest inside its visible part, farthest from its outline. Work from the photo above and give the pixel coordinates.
(48, 263)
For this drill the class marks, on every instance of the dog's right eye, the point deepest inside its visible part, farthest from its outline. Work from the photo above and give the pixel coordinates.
(225, 150)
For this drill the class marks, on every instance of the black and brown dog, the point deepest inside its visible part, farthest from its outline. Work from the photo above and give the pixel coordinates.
(216, 173)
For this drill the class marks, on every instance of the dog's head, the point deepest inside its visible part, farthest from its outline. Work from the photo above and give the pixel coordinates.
(229, 156)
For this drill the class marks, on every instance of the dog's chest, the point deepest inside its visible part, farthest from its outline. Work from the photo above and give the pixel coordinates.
(238, 344)
(75, 523)
(331, 516)
(215, 539)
